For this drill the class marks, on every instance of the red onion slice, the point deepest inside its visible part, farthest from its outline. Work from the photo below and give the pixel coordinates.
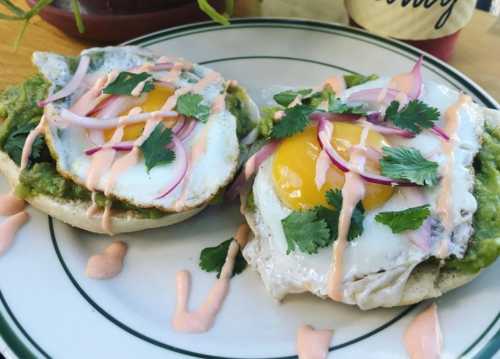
(120, 146)
(440, 132)
(416, 75)
(374, 96)
(250, 167)
(72, 85)
(179, 125)
(188, 129)
(330, 116)
(180, 170)
(325, 130)
(105, 123)
(392, 131)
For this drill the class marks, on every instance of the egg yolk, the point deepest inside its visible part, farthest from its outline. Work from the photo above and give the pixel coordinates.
(294, 167)
(154, 101)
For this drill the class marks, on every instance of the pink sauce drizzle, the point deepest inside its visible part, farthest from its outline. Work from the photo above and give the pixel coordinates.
(219, 103)
(444, 200)
(90, 99)
(353, 191)
(336, 83)
(107, 264)
(423, 338)
(101, 161)
(130, 159)
(313, 344)
(93, 209)
(9, 228)
(403, 82)
(202, 320)
(106, 219)
(10, 204)
(28, 144)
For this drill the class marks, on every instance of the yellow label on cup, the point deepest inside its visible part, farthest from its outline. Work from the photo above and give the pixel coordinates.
(411, 19)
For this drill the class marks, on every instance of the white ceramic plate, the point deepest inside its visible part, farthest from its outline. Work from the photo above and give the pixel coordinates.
(48, 308)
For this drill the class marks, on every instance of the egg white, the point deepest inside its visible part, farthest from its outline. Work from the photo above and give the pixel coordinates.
(211, 171)
(378, 263)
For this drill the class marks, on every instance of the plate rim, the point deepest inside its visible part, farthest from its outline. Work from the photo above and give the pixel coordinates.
(17, 345)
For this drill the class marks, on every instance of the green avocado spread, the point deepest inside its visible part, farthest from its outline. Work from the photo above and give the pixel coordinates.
(484, 247)
(236, 100)
(19, 114)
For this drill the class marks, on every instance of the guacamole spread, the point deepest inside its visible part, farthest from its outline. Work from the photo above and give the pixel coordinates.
(19, 114)
(484, 247)
(236, 100)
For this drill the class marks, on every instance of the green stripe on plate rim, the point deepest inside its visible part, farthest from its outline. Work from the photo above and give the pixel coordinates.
(319, 26)
(492, 346)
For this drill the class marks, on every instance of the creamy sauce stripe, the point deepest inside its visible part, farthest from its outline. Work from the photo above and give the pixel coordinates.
(445, 200)
(313, 344)
(202, 319)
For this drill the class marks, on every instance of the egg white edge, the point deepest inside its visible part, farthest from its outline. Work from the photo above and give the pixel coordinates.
(404, 283)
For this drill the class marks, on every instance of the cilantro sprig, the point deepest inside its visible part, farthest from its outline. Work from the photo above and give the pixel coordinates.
(408, 164)
(212, 259)
(155, 147)
(317, 228)
(126, 82)
(415, 116)
(191, 105)
(352, 80)
(405, 220)
(285, 98)
(296, 118)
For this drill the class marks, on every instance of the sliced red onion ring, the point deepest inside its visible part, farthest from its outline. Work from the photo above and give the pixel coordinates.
(72, 85)
(392, 131)
(188, 129)
(383, 129)
(325, 130)
(374, 96)
(180, 170)
(105, 123)
(117, 105)
(416, 74)
(162, 66)
(250, 167)
(179, 125)
(330, 116)
(120, 146)
(440, 132)
(375, 117)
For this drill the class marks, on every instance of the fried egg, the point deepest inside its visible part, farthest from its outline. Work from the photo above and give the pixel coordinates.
(378, 263)
(212, 149)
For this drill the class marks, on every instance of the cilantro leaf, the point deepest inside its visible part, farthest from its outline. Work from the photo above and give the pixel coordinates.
(125, 83)
(334, 199)
(295, 120)
(212, 259)
(190, 104)
(318, 227)
(335, 105)
(305, 230)
(155, 147)
(407, 163)
(414, 117)
(408, 219)
(358, 79)
(285, 98)
(15, 143)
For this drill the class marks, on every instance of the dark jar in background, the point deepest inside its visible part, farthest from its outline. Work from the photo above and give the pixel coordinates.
(431, 25)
